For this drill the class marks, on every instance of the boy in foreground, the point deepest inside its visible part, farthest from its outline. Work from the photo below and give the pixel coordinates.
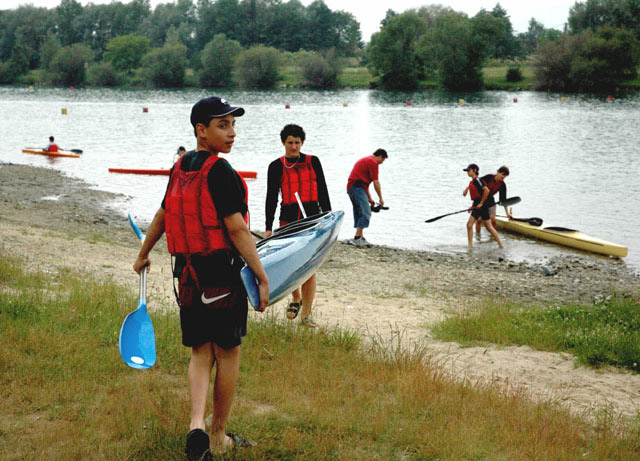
(204, 214)
(479, 193)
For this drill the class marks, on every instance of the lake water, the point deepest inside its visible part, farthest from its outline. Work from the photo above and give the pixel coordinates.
(575, 162)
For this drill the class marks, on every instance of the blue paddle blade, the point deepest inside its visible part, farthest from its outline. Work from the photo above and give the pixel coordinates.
(137, 339)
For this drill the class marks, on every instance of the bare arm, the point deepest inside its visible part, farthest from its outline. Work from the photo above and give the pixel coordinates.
(464, 192)
(378, 188)
(241, 237)
(155, 231)
(485, 195)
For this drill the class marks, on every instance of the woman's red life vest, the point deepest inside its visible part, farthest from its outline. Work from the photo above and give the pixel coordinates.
(474, 193)
(191, 220)
(300, 178)
(52, 148)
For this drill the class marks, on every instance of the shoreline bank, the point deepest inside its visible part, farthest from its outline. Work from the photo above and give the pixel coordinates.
(53, 222)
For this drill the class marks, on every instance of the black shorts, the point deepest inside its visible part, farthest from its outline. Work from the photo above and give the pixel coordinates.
(222, 321)
(481, 212)
(217, 312)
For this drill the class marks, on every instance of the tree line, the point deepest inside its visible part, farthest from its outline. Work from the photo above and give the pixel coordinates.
(246, 42)
(129, 43)
(598, 50)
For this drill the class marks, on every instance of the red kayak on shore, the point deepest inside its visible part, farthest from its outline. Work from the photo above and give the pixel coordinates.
(165, 172)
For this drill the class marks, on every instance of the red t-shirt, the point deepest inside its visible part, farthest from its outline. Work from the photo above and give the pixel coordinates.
(364, 171)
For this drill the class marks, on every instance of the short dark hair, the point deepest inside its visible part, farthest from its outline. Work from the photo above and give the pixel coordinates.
(504, 169)
(381, 153)
(292, 130)
(51, 138)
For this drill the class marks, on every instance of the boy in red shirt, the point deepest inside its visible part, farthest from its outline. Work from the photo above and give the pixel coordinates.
(479, 193)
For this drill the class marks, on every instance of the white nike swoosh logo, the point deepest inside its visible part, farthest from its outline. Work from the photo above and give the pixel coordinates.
(206, 300)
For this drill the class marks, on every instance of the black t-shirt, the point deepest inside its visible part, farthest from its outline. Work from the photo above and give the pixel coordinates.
(228, 194)
(290, 213)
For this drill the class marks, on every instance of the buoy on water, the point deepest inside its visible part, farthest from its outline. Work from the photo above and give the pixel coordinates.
(515, 99)
(344, 104)
(287, 106)
(408, 103)
(64, 111)
(72, 87)
(145, 110)
(461, 101)
(610, 98)
(563, 99)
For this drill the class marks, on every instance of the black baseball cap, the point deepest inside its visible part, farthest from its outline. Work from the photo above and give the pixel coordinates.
(213, 107)
(472, 166)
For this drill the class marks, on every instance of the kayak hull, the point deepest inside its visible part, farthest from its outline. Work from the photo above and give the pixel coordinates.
(50, 154)
(293, 254)
(165, 172)
(570, 238)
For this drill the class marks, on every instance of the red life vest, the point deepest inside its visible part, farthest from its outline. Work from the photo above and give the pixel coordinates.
(474, 193)
(494, 186)
(52, 148)
(300, 178)
(191, 220)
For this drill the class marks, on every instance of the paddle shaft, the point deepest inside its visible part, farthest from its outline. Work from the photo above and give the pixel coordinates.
(143, 287)
(507, 202)
(304, 215)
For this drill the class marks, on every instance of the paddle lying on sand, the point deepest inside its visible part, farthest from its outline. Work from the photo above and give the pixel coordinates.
(137, 338)
(508, 202)
(75, 151)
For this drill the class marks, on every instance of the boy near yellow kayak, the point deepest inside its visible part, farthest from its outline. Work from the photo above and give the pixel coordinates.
(479, 193)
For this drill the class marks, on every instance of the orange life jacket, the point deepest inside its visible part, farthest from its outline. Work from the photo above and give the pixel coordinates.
(300, 178)
(191, 221)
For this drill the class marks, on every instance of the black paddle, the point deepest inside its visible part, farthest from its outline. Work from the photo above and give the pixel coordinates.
(508, 202)
(533, 221)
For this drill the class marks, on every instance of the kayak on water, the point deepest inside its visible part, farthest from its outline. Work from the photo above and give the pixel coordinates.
(50, 154)
(562, 236)
(165, 172)
(292, 254)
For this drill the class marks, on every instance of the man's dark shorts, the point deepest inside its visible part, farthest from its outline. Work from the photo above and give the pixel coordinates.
(216, 313)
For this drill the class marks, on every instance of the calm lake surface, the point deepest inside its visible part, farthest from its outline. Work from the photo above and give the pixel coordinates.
(575, 162)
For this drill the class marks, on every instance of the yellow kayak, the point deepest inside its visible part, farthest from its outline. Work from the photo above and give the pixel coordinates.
(567, 237)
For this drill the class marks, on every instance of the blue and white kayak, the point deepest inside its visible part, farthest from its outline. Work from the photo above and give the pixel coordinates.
(292, 254)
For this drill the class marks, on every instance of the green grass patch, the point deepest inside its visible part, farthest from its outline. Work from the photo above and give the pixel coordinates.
(302, 394)
(355, 77)
(604, 333)
(495, 77)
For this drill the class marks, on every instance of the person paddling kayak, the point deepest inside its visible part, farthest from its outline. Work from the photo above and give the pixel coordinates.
(496, 184)
(52, 146)
(479, 193)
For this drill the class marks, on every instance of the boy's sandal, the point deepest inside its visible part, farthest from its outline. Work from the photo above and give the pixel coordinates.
(292, 311)
(197, 446)
(240, 442)
(308, 322)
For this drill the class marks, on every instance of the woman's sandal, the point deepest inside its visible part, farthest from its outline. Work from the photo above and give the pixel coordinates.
(292, 311)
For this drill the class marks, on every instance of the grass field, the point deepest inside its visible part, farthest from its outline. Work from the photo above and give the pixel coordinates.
(303, 394)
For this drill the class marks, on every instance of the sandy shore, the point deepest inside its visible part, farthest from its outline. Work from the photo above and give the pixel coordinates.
(52, 221)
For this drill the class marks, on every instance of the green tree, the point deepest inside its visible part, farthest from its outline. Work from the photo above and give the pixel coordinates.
(166, 66)
(102, 74)
(181, 15)
(460, 49)
(258, 67)
(125, 52)
(68, 66)
(69, 29)
(320, 71)
(48, 49)
(592, 60)
(218, 59)
(393, 52)
(616, 13)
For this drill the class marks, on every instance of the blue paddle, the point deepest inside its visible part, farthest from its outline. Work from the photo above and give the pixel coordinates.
(137, 338)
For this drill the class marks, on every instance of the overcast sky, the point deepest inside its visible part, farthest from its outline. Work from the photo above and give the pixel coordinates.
(369, 13)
